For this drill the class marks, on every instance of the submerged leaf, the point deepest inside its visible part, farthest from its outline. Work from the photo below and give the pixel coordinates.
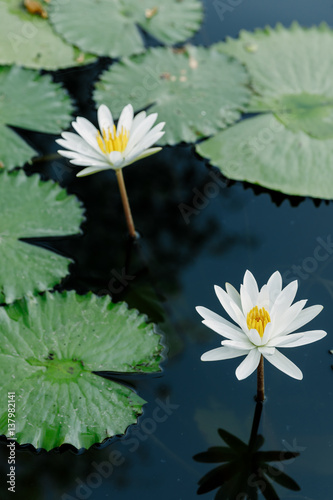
(169, 21)
(29, 101)
(195, 90)
(50, 345)
(289, 147)
(31, 208)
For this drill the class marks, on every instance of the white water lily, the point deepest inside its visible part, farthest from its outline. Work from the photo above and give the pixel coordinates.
(111, 147)
(264, 320)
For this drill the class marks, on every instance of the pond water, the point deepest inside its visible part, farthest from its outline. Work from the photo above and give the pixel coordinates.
(172, 269)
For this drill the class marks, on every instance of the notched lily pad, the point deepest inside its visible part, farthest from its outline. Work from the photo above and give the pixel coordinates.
(31, 208)
(196, 91)
(169, 21)
(28, 39)
(29, 101)
(50, 346)
(288, 147)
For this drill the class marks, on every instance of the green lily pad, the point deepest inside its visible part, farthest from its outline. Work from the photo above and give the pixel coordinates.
(31, 208)
(29, 101)
(29, 40)
(109, 27)
(196, 91)
(50, 346)
(311, 113)
(288, 147)
(262, 151)
(284, 61)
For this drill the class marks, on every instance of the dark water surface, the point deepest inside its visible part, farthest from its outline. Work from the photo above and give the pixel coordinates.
(173, 269)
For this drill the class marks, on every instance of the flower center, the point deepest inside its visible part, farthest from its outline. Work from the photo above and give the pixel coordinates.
(111, 141)
(258, 319)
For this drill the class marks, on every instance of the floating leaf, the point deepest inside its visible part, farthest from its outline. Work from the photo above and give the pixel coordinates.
(29, 40)
(50, 345)
(195, 90)
(109, 27)
(289, 147)
(31, 208)
(286, 61)
(262, 151)
(30, 101)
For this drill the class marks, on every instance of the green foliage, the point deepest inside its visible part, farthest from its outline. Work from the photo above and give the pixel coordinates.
(195, 90)
(29, 40)
(50, 345)
(29, 101)
(31, 208)
(288, 147)
(109, 27)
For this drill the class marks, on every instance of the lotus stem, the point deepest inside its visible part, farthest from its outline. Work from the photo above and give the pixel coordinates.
(124, 199)
(260, 380)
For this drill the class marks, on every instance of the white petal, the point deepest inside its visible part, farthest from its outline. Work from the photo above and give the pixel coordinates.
(147, 140)
(266, 350)
(87, 131)
(88, 162)
(137, 120)
(274, 285)
(68, 154)
(283, 340)
(267, 334)
(263, 298)
(254, 336)
(222, 353)
(234, 295)
(303, 318)
(153, 136)
(241, 318)
(298, 339)
(105, 120)
(210, 315)
(247, 302)
(283, 322)
(244, 343)
(226, 331)
(126, 118)
(90, 170)
(115, 158)
(134, 158)
(283, 300)
(226, 302)
(73, 155)
(251, 287)
(141, 131)
(144, 154)
(146, 143)
(218, 322)
(75, 143)
(249, 364)
(71, 136)
(284, 364)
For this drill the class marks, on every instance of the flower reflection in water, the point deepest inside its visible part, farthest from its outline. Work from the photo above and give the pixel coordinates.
(245, 470)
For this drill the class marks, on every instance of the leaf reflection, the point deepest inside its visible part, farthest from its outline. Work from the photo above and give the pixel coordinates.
(245, 471)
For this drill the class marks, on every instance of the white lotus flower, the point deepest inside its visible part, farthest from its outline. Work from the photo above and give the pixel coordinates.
(265, 321)
(111, 147)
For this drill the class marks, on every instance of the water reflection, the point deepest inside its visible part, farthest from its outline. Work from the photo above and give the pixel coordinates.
(158, 189)
(246, 471)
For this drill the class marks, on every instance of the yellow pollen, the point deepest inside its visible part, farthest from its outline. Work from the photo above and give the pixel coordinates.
(110, 141)
(258, 319)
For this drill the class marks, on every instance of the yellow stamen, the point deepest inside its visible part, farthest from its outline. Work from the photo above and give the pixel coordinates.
(258, 319)
(111, 141)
